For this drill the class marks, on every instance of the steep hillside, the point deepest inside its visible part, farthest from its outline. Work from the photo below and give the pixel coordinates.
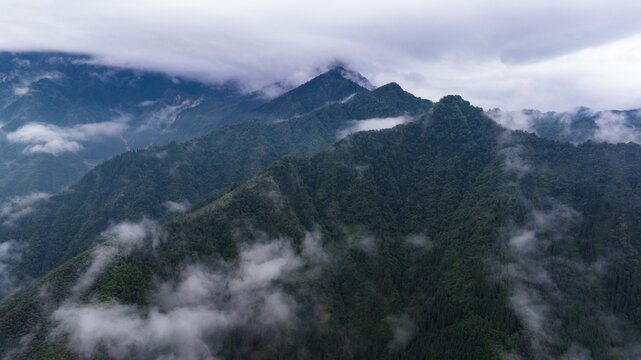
(64, 114)
(444, 238)
(164, 181)
(330, 87)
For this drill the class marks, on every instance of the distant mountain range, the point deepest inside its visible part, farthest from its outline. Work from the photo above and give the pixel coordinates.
(148, 182)
(336, 221)
(60, 115)
(579, 126)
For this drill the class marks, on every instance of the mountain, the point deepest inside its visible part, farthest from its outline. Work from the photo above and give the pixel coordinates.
(448, 237)
(62, 114)
(332, 86)
(161, 182)
(581, 125)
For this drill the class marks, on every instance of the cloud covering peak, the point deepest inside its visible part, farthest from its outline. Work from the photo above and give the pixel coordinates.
(542, 54)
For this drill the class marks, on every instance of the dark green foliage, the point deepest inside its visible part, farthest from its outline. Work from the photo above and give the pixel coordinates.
(399, 191)
(64, 91)
(126, 284)
(153, 109)
(443, 179)
(327, 88)
(137, 184)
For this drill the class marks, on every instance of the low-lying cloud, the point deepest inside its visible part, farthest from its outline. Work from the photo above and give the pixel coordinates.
(511, 151)
(616, 128)
(402, 331)
(177, 207)
(10, 253)
(545, 284)
(192, 314)
(576, 126)
(19, 206)
(25, 82)
(52, 139)
(531, 289)
(164, 117)
(513, 120)
(121, 239)
(372, 124)
(528, 271)
(420, 240)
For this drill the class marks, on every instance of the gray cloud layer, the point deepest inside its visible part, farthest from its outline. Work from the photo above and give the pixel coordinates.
(615, 128)
(52, 139)
(192, 314)
(538, 295)
(609, 126)
(177, 207)
(10, 252)
(19, 206)
(121, 238)
(542, 54)
(372, 124)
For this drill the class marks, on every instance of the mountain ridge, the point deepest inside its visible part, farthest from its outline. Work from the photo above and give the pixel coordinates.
(147, 182)
(331, 86)
(434, 229)
(64, 113)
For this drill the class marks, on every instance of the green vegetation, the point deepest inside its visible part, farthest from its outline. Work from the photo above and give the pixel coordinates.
(63, 91)
(327, 88)
(139, 183)
(446, 238)
(398, 193)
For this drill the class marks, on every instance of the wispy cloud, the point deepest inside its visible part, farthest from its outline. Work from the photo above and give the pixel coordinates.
(532, 284)
(10, 253)
(525, 270)
(164, 117)
(544, 283)
(52, 139)
(402, 331)
(616, 128)
(420, 240)
(372, 124)
(177, 207)
(513, 120)
(121, 239)
(578, 125)
(25, 81)
(192, 315)
(17, 207)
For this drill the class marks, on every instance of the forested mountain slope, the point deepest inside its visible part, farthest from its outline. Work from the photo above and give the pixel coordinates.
(327, 88)
(578, 126)
(445, 238)
(161, 182)
(61, 114)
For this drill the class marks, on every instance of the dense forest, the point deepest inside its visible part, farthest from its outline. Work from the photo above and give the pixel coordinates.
(161, 182)
(60, 114)
(448, 237)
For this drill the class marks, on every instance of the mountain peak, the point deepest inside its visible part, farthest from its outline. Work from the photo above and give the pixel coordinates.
(329, 87)
(390, 88)
(393, 92)
(454, 116)
(351, 75)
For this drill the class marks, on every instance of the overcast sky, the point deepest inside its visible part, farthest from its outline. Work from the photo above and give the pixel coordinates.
(550, 55)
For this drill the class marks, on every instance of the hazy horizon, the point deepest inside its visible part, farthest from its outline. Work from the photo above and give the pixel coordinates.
(541, 55)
